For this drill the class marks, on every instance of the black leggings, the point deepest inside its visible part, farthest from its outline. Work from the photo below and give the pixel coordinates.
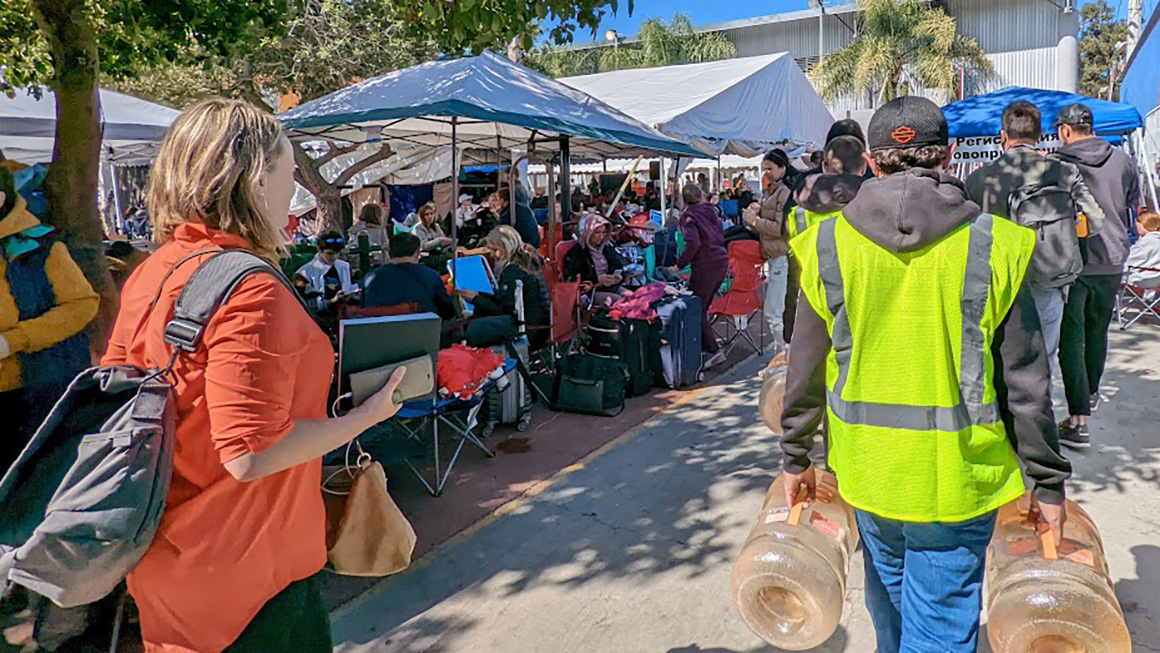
(294, 620)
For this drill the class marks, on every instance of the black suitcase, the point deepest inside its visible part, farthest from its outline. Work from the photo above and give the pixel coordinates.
(636, 343)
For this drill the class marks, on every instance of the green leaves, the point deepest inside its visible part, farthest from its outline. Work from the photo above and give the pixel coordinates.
(900, 42)
(1099, 34)
(660, 43)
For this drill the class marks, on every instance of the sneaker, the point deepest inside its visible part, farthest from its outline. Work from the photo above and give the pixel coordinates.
(1074, 435)
(1094, 400)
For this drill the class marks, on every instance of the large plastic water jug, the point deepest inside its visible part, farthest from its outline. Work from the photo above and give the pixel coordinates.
(772, 398)
(1036, 604)
(789, 582)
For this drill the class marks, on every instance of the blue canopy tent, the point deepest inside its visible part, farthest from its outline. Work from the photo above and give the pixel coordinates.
(981, 115)
(479, 105)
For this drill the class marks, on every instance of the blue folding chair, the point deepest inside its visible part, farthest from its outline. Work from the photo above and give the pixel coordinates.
(459, 415)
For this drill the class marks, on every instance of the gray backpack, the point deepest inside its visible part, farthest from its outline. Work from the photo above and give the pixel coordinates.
(1049, 211)
(84, 499)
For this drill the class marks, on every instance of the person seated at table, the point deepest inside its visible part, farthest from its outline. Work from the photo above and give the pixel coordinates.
(595, 261)
(428, 231)
(404, 281)
(494, 320)
(325, 281)
(370, 223)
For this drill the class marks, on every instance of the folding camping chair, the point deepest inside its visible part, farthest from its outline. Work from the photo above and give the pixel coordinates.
(743, 301)
(565, 317)
(459, 415)
(1146, 301)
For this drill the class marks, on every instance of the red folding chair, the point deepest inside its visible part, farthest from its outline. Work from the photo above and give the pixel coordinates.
(562, 249)
(743, 301)
(349, 311)
(565, 317)
(1145, 301)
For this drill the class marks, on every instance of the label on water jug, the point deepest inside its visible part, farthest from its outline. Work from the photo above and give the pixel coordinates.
(825, 525)
(1067, 550)
(1070, 551)
(779, 515)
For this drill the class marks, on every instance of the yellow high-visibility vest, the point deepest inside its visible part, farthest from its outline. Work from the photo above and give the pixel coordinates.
(915, 428)
(801, 219)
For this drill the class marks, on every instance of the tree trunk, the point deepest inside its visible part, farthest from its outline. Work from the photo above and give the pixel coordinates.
(71, 185)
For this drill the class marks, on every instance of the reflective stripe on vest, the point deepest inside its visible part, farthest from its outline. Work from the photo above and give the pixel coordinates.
(800, 221)
(972, 410)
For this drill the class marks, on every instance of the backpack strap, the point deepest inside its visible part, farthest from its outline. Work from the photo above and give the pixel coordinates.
(208, 288)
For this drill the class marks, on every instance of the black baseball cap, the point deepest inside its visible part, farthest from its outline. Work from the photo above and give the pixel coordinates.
(907, 122)
(1075, 114)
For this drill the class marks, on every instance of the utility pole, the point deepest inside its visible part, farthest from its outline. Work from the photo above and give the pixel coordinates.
(1135, 24)
(821, 6)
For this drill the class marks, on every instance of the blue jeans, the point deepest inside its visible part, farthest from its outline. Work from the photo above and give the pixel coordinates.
(924, 582)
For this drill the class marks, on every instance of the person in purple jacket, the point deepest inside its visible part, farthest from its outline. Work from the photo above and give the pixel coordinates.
(705, 251)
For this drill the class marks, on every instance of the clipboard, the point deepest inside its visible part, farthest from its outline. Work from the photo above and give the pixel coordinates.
(471, 273)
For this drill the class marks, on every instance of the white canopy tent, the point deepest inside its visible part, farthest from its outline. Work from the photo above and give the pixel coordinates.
(743, 106)
(131, 127)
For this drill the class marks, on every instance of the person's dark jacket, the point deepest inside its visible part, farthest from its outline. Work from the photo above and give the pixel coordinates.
(525, 220)
(704, 240)
(1111, 177)
(537, 306)
(401, 283)
(902, 213)
(578, 263)
(826, 193)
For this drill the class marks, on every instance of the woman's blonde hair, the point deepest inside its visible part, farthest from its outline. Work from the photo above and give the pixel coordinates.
(429, 206)
(209, 168)
(507, 239)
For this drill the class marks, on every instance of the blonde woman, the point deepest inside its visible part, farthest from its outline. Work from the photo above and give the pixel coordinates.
(232, 566)
(495, 313)
(428, 231)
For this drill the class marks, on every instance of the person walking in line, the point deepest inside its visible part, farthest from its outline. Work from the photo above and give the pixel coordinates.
(1112, 177)
(1040, 188)
(705, 252)
(824, 195)
(767, 218)
(232, 567)
(911, 297)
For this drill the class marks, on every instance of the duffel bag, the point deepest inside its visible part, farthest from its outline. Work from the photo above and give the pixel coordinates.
(591, 385)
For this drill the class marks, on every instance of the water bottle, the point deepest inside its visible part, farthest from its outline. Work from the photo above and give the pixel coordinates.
(1044, 599)
(772, 398)
(789, 583)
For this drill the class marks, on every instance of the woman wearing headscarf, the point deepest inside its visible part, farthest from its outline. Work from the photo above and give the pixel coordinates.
(594, 260)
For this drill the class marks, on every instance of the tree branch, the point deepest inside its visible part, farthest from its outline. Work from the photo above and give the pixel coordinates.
(334, 152)
(383, 154)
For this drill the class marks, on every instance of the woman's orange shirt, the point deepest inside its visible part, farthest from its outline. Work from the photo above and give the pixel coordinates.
(224, 547)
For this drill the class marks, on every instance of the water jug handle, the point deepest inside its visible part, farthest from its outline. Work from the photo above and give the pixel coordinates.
(799, 505)
(1047, 541)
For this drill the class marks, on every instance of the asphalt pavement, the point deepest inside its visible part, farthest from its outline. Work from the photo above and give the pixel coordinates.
(630, 551)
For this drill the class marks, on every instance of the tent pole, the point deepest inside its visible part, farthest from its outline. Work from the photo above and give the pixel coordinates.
(664, 193)
(454, 191)
(552, 217)
(566, 178)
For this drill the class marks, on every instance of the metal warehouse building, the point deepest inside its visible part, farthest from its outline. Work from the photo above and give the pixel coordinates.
(1030, 43)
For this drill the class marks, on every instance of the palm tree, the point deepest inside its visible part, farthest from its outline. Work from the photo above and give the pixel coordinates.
(900, 42)
(660, 43)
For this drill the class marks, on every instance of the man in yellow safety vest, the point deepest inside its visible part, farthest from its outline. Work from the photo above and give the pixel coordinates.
(920, 343)
(823, 196)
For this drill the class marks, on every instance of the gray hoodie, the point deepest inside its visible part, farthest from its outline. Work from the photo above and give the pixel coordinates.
(1112, 178)
(902, 213)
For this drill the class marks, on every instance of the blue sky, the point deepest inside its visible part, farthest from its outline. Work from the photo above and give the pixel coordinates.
(716, 11)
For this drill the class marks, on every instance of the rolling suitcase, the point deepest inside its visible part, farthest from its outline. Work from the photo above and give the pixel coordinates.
(680, 348)
(511, 401)
(636, 343)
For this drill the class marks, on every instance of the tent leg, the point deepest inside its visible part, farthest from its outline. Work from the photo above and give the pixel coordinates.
(454, 194)
(566, 178)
